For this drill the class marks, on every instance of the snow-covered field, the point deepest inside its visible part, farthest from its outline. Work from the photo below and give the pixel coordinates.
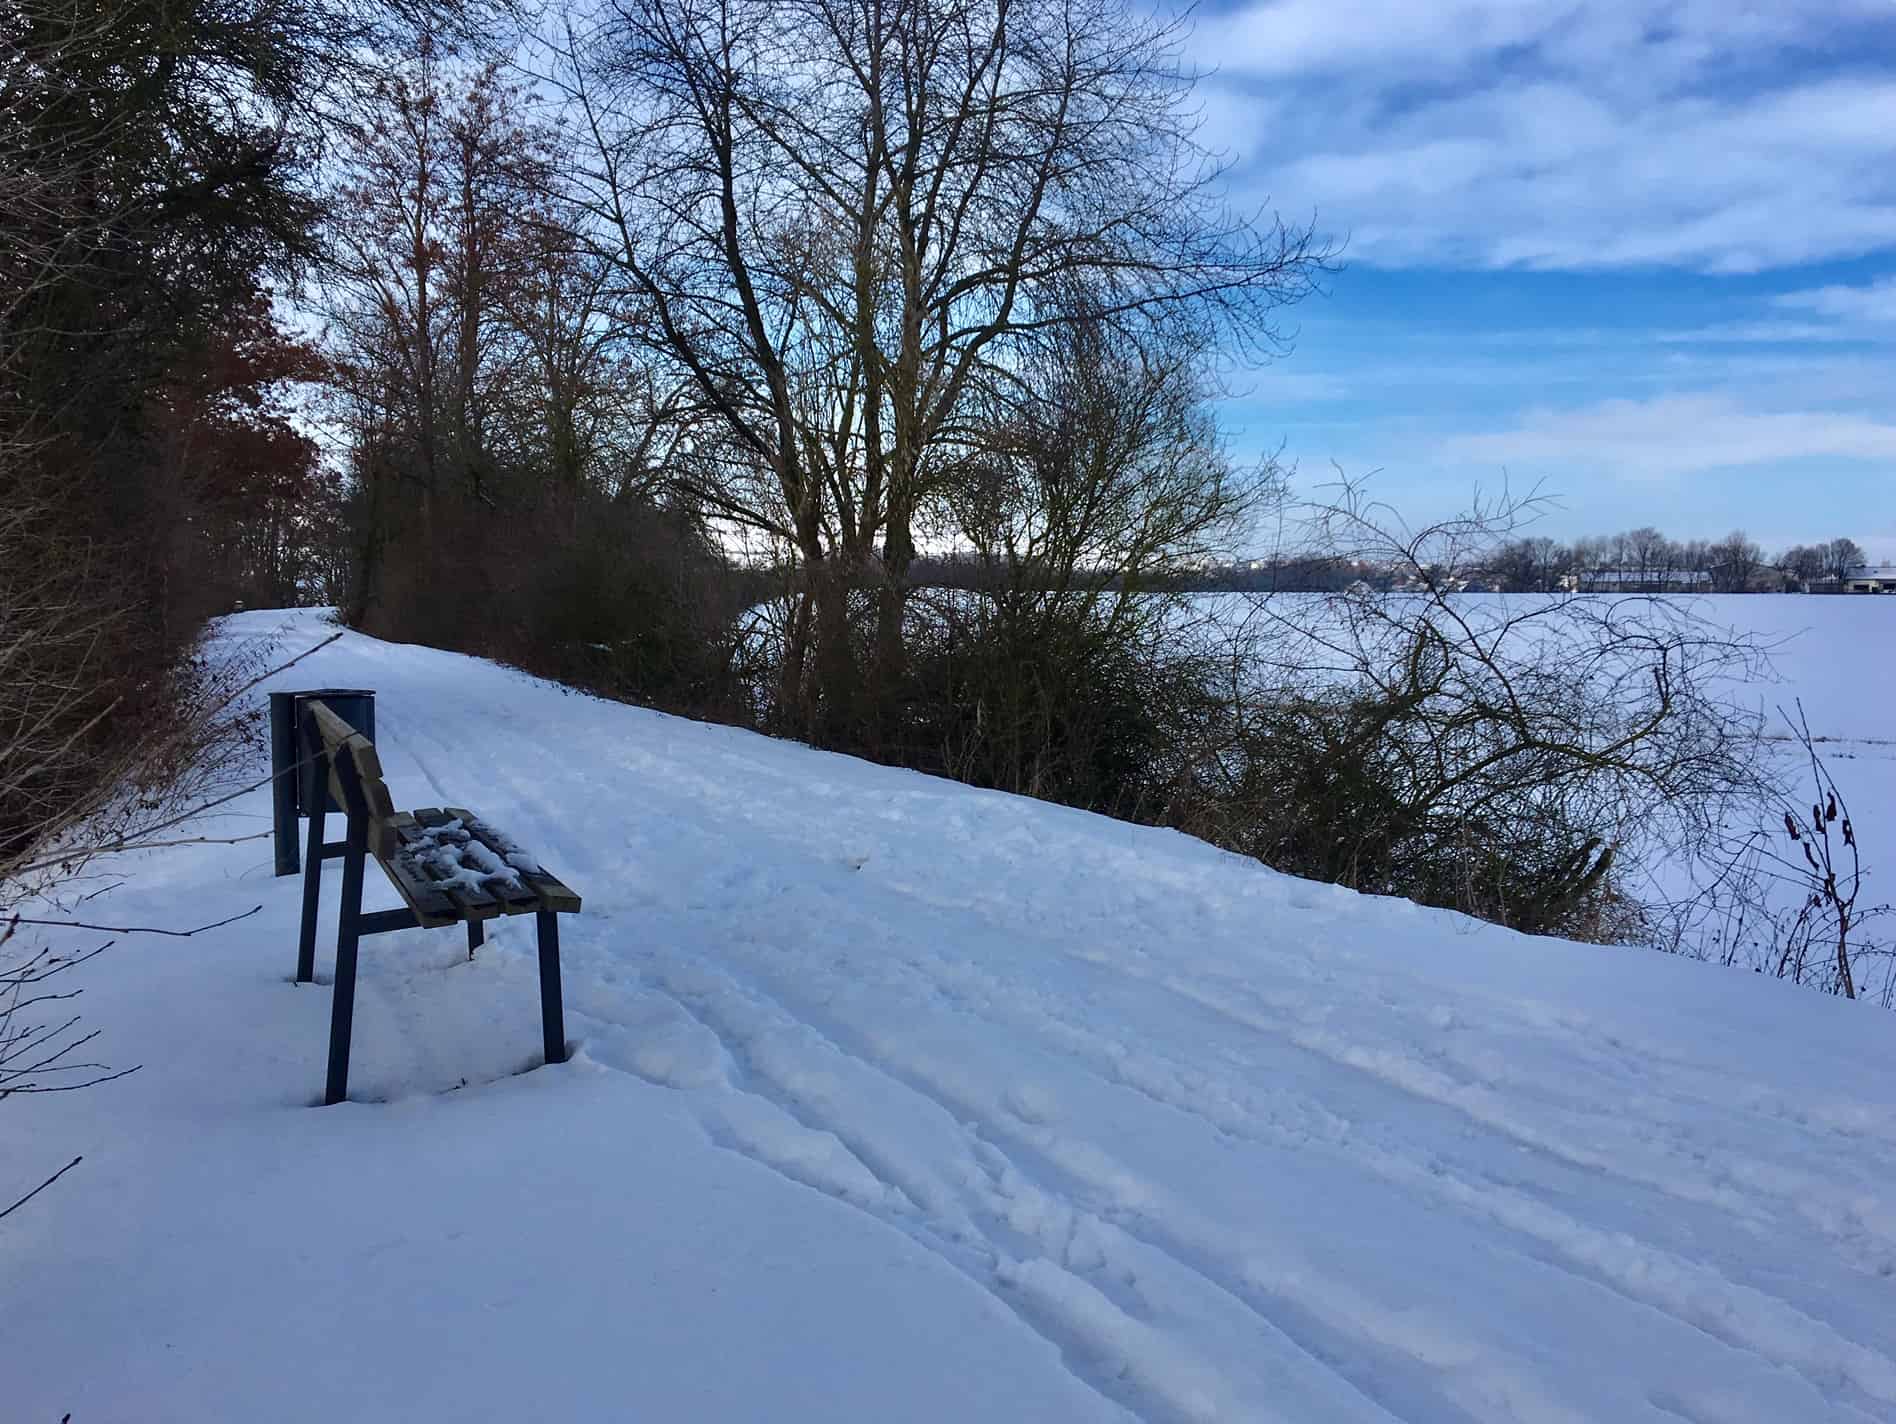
(893, 1100)
(1838, 655)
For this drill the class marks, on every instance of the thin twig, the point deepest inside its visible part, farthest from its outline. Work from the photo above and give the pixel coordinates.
(199, 840)
(42, 1187)
(131, 843)
(140, 840)
(135, 929)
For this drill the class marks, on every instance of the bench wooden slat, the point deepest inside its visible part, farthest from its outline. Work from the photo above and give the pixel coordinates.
(516, 898)
(424, 895)
(519, 896)
(434, 909)
(369, 768)
(553, 894)
(473, 904)
(494, 897)
(341, 740)
(388, 835)
(331, 728)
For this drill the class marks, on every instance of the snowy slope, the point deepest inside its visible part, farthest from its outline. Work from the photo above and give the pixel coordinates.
(899, 1101)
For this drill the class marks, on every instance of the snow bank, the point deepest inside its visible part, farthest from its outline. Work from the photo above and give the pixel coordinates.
(894, 1100)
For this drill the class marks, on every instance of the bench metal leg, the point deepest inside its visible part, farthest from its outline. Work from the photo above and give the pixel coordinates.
(476, 936)
(552, 1012)
(312, 892)
(342, 1005)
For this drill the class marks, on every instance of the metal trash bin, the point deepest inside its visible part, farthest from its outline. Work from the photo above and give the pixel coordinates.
(293, 796)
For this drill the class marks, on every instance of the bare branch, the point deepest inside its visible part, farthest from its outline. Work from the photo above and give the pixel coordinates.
(42, 1187)
(134, 929)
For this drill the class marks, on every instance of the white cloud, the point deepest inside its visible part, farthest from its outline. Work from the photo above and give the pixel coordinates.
(1673, 436)
(1294, 37)
(1566, 135)
(1761, 333)
(1874, 302)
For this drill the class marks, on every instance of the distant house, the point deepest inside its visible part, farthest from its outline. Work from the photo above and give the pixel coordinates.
(1869, 578)
(1643, 581)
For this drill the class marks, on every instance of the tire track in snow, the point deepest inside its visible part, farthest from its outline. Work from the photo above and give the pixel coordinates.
(1096, 1330)
(743, 1077)
(1086, 1301)
(1150, 1395)
(1809, 1196)
(969, 1252)
(1695, 1296)
(1356, 1338)
(1839, 1216)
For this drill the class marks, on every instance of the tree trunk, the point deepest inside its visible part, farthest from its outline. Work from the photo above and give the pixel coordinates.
(831, 716)
(891, 654)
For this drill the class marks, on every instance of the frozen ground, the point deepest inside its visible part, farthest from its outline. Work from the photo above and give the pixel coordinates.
(893, 1100)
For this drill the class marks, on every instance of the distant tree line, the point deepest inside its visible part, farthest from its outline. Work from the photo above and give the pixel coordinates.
(1733, 564)
(1639, 560)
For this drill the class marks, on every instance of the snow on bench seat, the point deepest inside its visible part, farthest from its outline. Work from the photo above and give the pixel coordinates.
(450, 865)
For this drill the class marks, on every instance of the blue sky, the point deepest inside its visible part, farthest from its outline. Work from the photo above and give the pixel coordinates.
(1639, 252)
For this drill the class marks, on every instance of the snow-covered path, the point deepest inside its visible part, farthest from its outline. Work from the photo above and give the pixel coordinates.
(897, 1100)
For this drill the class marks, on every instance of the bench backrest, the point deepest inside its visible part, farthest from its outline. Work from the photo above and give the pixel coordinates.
(340, 742)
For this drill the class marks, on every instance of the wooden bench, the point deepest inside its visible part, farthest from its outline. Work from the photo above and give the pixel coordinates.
(448, 865)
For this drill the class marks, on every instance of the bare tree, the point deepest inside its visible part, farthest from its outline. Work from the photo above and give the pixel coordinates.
(841, 217)
(1533, 564)
(1069, 666)
(436, 242)
(1840, 557)
(1735, 562)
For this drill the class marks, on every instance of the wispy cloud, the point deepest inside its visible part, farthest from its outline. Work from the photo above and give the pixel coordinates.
(1873, 302)
(1673, 436)
(1554, 134)
(1759, 333)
